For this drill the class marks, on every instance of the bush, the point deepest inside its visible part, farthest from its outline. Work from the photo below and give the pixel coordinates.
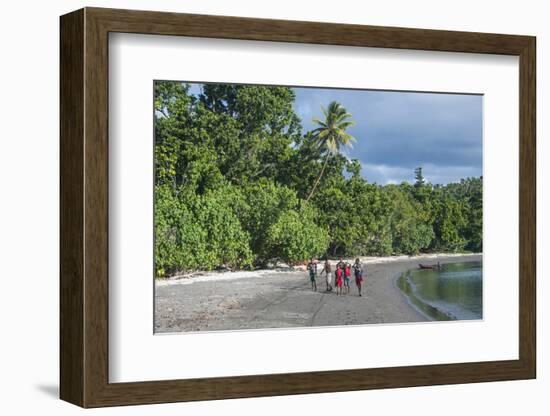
(295, 237)
(265, 202)
(177, 234)
(198, 231)
(449, 225)
(409, 234)
(225, 241)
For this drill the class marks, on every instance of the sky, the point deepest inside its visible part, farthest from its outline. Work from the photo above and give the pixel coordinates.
(399, 131)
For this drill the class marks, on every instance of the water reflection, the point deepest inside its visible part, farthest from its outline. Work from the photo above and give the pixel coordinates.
(454, 292)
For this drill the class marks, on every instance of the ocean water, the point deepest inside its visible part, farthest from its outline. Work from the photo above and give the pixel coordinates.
(453, 293)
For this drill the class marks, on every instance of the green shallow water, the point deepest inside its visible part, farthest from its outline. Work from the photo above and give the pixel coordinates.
(453, 293)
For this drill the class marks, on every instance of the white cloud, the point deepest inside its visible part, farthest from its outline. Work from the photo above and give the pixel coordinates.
(386, 174)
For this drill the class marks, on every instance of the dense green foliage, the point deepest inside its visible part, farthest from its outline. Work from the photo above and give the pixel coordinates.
(233, 173)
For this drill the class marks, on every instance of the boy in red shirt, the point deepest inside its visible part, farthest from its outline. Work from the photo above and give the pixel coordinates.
(339, 278)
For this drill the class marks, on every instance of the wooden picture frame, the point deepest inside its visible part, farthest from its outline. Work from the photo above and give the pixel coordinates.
(84, 207)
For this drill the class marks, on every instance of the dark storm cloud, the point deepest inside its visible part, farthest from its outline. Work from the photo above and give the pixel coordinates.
(398, 131)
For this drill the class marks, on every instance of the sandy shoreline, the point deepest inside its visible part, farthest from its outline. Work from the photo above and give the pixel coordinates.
(366, 260)
(283, 298)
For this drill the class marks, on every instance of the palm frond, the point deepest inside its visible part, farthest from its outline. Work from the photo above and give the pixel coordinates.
(331, 134)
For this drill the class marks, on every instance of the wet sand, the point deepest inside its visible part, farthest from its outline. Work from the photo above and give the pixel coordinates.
(283, 299)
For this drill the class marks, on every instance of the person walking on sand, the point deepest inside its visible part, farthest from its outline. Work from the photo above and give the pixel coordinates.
(312, 267)
(347, 276)
(328, 274)
(339, 278)
(340, 264)
(358, 271)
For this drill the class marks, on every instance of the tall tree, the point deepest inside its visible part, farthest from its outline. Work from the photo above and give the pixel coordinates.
(265, 128)
(419, 177)
(422, 189)
(331, 135)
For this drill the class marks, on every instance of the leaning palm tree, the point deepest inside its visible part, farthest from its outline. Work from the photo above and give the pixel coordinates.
(331, 135)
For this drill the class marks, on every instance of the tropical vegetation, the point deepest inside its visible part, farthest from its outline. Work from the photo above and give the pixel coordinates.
(238, 184)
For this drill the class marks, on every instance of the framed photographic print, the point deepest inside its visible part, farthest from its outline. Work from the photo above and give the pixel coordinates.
(255, 207)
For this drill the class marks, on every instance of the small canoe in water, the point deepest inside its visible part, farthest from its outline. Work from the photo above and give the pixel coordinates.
(429, 266)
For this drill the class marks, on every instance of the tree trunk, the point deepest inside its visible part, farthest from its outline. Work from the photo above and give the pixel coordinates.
(319, 177)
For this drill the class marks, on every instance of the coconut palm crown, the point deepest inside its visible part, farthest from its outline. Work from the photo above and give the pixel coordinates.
(331, 134)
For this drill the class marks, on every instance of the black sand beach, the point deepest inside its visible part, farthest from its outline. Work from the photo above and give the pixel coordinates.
(283, 299)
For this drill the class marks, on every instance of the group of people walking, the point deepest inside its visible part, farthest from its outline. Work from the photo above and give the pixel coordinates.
(342, 275)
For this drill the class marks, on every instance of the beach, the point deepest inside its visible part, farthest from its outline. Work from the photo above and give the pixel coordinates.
(282, 298)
